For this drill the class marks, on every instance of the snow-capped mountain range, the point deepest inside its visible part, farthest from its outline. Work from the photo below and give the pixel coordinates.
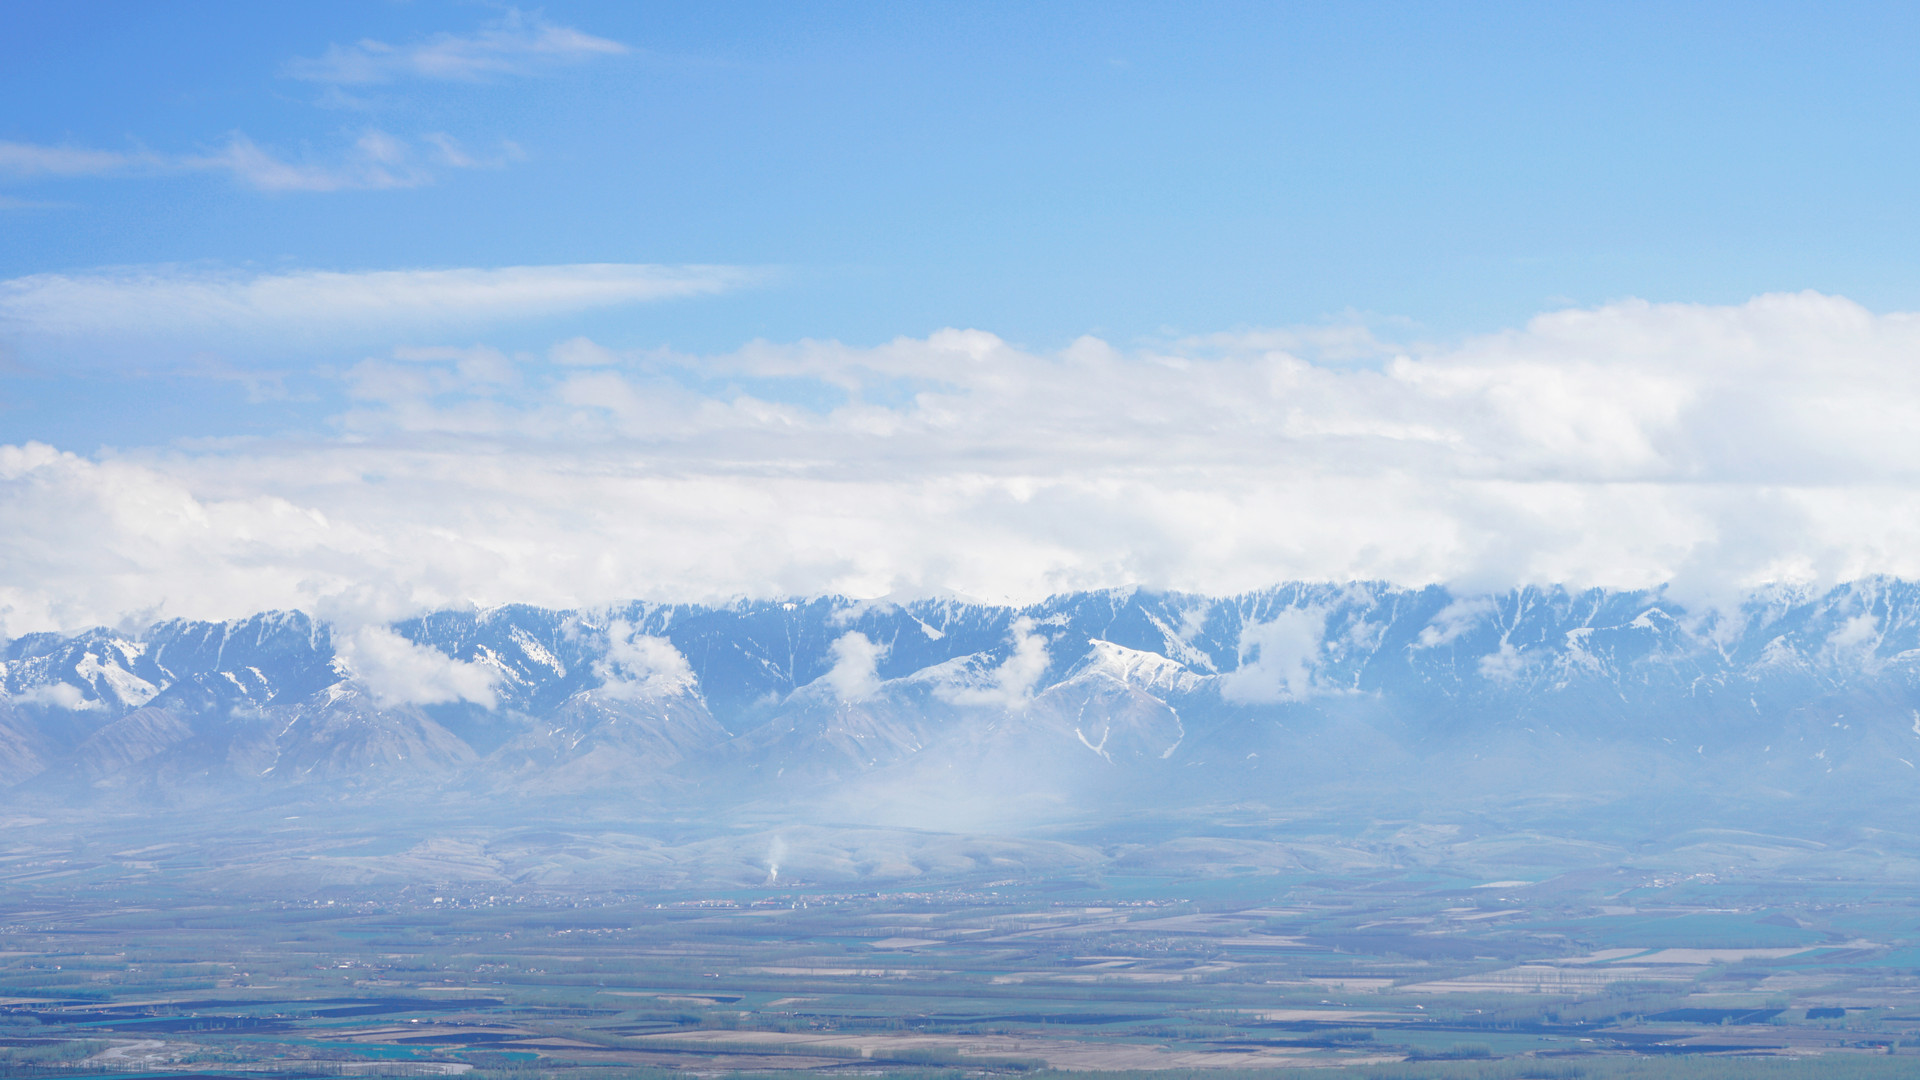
(939, 711)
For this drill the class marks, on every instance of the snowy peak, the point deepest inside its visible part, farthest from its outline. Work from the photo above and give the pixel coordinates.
(1135, 668)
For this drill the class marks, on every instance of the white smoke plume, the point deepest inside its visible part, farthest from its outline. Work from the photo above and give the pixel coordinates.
(775, 853)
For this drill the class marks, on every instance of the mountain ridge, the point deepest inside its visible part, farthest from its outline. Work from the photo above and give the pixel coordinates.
(1080, 702)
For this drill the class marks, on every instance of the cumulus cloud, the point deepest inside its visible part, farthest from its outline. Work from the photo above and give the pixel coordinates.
(638, 666)
(400, 672)
(162, 301)
(855, 674)
(1719, 447)
(1012, 681)
(56, 695)
(516, 44)
(1277, 658)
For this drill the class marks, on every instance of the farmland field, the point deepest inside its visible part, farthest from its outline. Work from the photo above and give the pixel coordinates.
(1388, 973)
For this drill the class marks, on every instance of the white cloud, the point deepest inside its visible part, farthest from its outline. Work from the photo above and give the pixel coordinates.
(1012, 682)
(162, 301)
(1452, 621)
(1506, 666)
(639, 666)
(1855, 641)
(1277, 658)
(581, 352)
(31, 160)
(516, 44)
(1628, 445)
(456, 155)
(375, 159)
(855, 674)
(398, 671)
(58, 696)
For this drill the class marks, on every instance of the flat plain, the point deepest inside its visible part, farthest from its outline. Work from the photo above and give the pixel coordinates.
(122, 964)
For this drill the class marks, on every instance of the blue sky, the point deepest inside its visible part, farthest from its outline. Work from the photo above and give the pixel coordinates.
(1040, 170)
(235, 234)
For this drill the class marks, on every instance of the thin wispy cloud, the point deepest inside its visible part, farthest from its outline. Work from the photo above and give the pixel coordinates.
(170, 300)
(377, 160)
(32, 161)
(517, 44)
(374, 160)
(451, 152)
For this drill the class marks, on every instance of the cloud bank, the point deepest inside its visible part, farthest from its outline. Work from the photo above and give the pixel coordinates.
(1627, 445)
